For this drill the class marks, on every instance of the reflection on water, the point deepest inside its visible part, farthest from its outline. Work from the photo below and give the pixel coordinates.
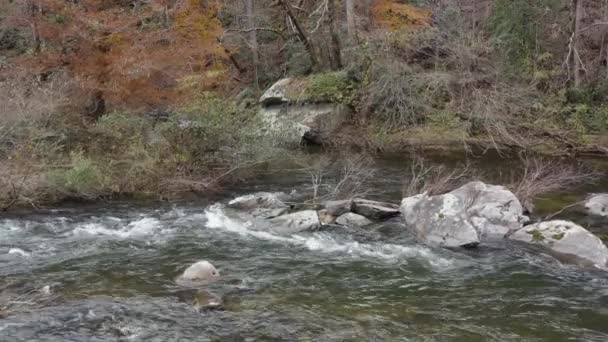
(111, 275)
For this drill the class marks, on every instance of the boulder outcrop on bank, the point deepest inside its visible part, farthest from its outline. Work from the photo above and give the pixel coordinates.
(464, 217)
(290, 113)
(565, 238)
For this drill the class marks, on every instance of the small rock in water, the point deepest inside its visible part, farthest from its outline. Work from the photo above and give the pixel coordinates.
(326, 218)
(597, 205)
(353, 220)
(375, 210)
(567, 238)
(200, 273)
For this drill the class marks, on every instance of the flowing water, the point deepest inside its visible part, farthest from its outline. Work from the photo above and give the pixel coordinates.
(111, 271)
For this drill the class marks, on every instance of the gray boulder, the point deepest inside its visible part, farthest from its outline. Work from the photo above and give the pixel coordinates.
(566, 238)
(307, 220)
(337, 208)
(464, 217)
(262, 205)
(375, 210)
(597, 205)
(353, 220)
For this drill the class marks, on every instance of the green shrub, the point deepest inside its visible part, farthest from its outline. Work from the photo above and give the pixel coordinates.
(82, 179)
(332, 86)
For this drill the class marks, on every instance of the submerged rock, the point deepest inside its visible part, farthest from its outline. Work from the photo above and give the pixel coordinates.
(200, 300)
(306, 220)
(375, 210)
(597, 205)
(199, 273)
(567, 238)
(465, 216)
(353, 220)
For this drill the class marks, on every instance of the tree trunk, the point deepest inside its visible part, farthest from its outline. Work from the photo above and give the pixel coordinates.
(300, 32)
(350, 21)
(577, 64)
(336, 57)
(253, 42)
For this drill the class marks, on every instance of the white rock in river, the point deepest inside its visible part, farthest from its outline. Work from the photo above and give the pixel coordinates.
(597, 205)
(565, 237)
(353, 220)
(464, 217)
(297, 222)
(199, 273)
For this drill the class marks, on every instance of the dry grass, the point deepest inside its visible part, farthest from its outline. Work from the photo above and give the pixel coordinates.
(434, 179)
(541, 176)
(337, 178)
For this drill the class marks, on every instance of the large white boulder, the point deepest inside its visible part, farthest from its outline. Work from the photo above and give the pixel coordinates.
(464, 217)
(567, 238)
(597, 205)
(199, 273)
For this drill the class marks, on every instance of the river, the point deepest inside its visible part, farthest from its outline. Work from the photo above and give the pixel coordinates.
(111, 269)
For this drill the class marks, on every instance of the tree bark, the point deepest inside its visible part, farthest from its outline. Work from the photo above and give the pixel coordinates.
(253, 43)
(577, 63)
(336, 53)
(300, 33)
(351, 24)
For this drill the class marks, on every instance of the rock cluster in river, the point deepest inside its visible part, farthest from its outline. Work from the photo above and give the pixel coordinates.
(465, 217)
(268, 212)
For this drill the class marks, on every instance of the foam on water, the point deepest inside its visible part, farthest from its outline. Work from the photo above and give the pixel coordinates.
(139, 228)
(19, 251)
(323, 242)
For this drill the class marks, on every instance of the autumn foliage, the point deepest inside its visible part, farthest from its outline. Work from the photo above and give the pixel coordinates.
(395, 15)
(128, 55)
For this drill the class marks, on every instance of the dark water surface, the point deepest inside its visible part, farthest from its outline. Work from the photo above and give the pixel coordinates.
(111, 273)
